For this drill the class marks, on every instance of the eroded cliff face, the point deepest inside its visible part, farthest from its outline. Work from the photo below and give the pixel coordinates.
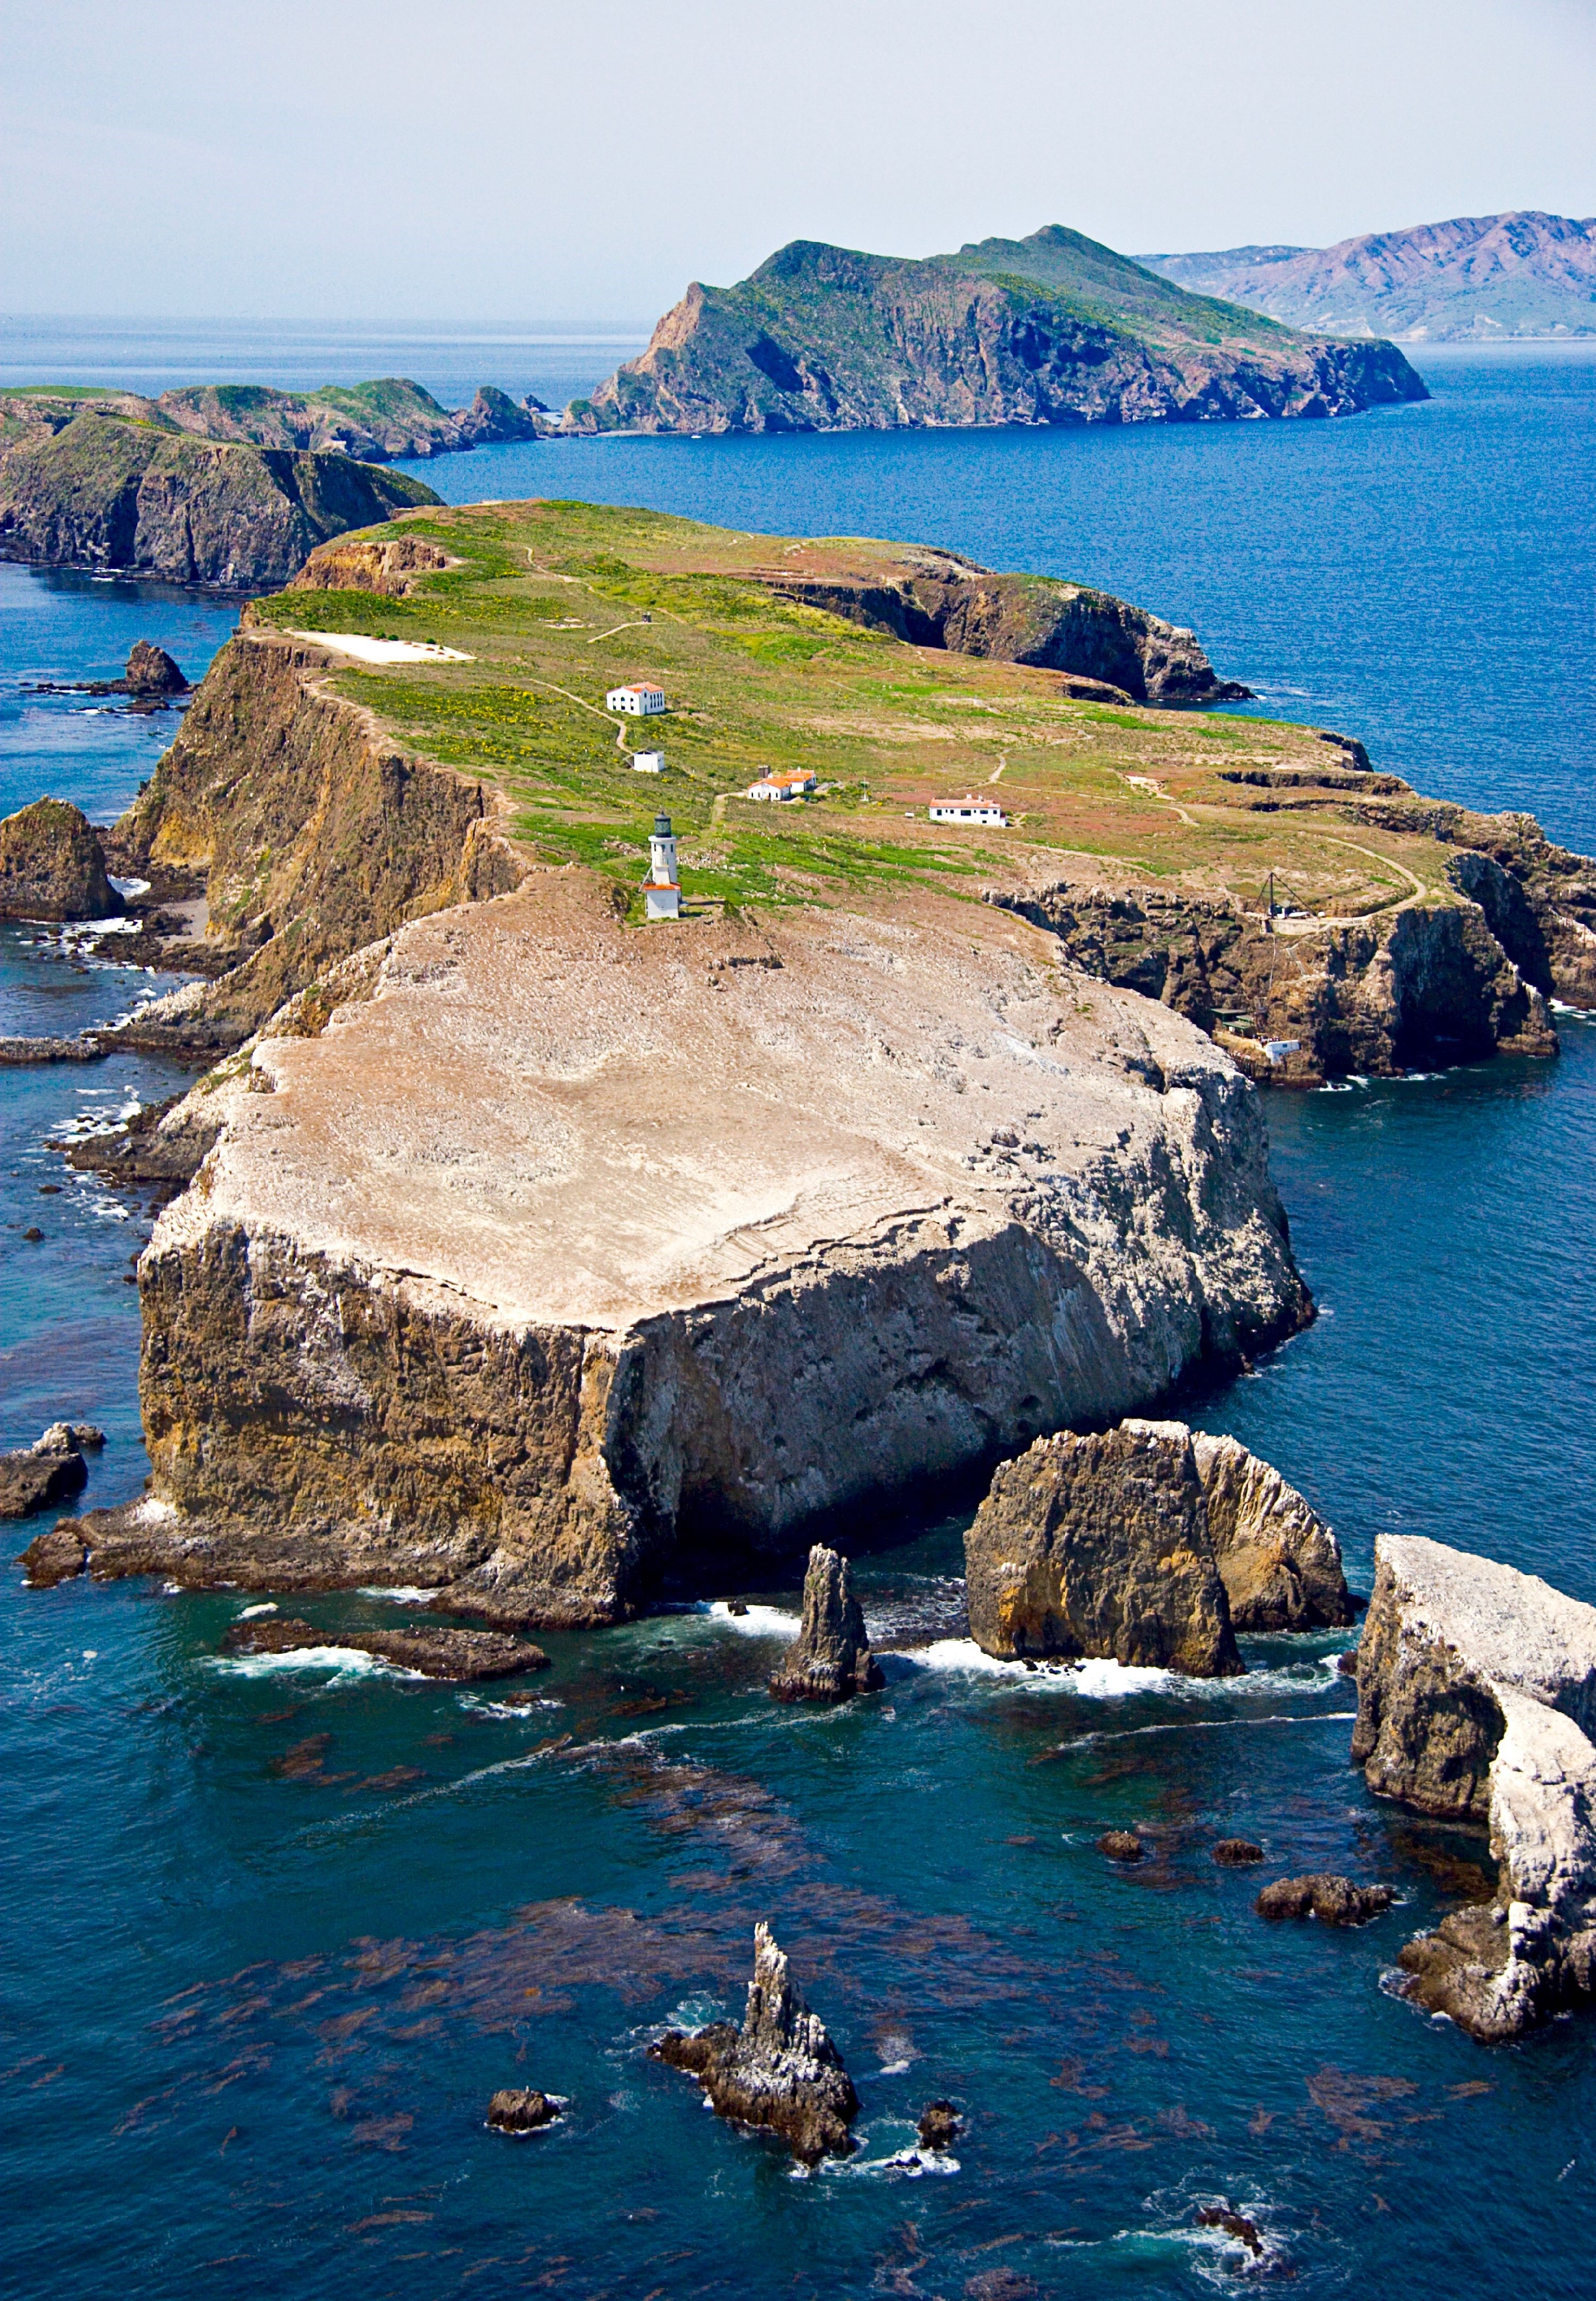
(313, 832)
(1423, 982)
(573, 1256)
(944, 601)
(1477, 1700)
(104, 493)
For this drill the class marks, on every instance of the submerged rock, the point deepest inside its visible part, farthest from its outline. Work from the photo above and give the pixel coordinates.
(1234, 2224)
(523, 2109)
(1280, 1564)
(831, 1658)
(51, 1470)
(1333, 1901)
(458, 1654)
(780, 2070)
(1477, 1700)
(1099, 1547)
(51, 866)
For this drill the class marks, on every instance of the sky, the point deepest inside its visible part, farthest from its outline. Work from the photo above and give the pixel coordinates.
(519, 159)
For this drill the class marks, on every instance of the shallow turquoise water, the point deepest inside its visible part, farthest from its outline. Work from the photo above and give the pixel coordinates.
(254, 2018)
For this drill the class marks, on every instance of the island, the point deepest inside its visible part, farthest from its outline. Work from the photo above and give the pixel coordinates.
(228, 486)
(1052, 329)
(551, 1258)
(1469, 280)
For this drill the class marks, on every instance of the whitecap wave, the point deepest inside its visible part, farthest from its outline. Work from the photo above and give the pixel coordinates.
(406, 1593)
(344, 1660)
(1111, 1681)
(755, 1621)
(249, 1613)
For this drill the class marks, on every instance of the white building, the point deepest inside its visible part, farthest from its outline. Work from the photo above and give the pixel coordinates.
(793, 783)
(640, 699)
(969, 809)
(662, 894)
(647, 763)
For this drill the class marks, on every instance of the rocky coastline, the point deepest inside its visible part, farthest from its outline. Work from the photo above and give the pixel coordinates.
(1476, 1702)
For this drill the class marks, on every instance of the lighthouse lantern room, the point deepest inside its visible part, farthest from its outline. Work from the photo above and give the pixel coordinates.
(662, 894)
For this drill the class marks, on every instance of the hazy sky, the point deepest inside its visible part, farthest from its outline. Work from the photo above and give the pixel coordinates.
(517, 159)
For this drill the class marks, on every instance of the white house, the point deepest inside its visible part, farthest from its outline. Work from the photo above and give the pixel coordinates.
(793, 783)
(640, 699)
(968, 809)
(662, 895)
(647, 763)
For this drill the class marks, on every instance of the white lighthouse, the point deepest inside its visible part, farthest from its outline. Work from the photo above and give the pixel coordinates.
(662, 895)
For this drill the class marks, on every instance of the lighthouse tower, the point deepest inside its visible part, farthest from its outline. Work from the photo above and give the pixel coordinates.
(662, 895)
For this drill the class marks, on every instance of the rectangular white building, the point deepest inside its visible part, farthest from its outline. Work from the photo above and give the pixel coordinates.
(640, 699)
(793, 783)
(969, 809)
(647, 763)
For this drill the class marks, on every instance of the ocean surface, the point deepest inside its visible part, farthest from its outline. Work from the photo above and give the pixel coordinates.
(276, 1932)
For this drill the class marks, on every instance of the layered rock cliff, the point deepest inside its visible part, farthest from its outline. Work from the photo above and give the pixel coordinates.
(1424, 982)
(109, 494)
(571, 1257)
(315, 833)
(1476, 1701)
(945, 601)
(1054, 329)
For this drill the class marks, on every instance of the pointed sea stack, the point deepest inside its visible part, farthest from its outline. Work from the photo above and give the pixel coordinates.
(780, 2070)
(831, 1658)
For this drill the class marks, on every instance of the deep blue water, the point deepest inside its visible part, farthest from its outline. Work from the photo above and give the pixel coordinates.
(254, 2017)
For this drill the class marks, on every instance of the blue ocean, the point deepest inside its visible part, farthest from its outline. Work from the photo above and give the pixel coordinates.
(276, 1932)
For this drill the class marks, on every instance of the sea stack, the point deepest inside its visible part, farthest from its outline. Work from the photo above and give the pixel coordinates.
(831, 1658)
(1280, 1564)
(51, 866)
(781, 2070)
(1098, 1547)
(1476, 1699)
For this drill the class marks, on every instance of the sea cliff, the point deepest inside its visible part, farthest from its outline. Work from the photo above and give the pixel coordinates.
(572, 1257)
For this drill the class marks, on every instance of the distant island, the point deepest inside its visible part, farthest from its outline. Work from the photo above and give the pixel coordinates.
(1474, 278)
(1051, 329)
(231, 485)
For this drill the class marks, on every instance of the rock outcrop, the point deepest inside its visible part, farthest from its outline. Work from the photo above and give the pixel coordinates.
(110, 495)
(781, 2071)
(1054, 329)
(1332, 1900)
(830, 1656)
(51, 1470)
(151, 671)
(459, 1655)
(1280, 1564)
(939, 2123)
(542, 1299)
(1476, 1701)
(1426, 982)
(53, 866)
(523, 2109)
(943, 600)
(1099, 1547)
